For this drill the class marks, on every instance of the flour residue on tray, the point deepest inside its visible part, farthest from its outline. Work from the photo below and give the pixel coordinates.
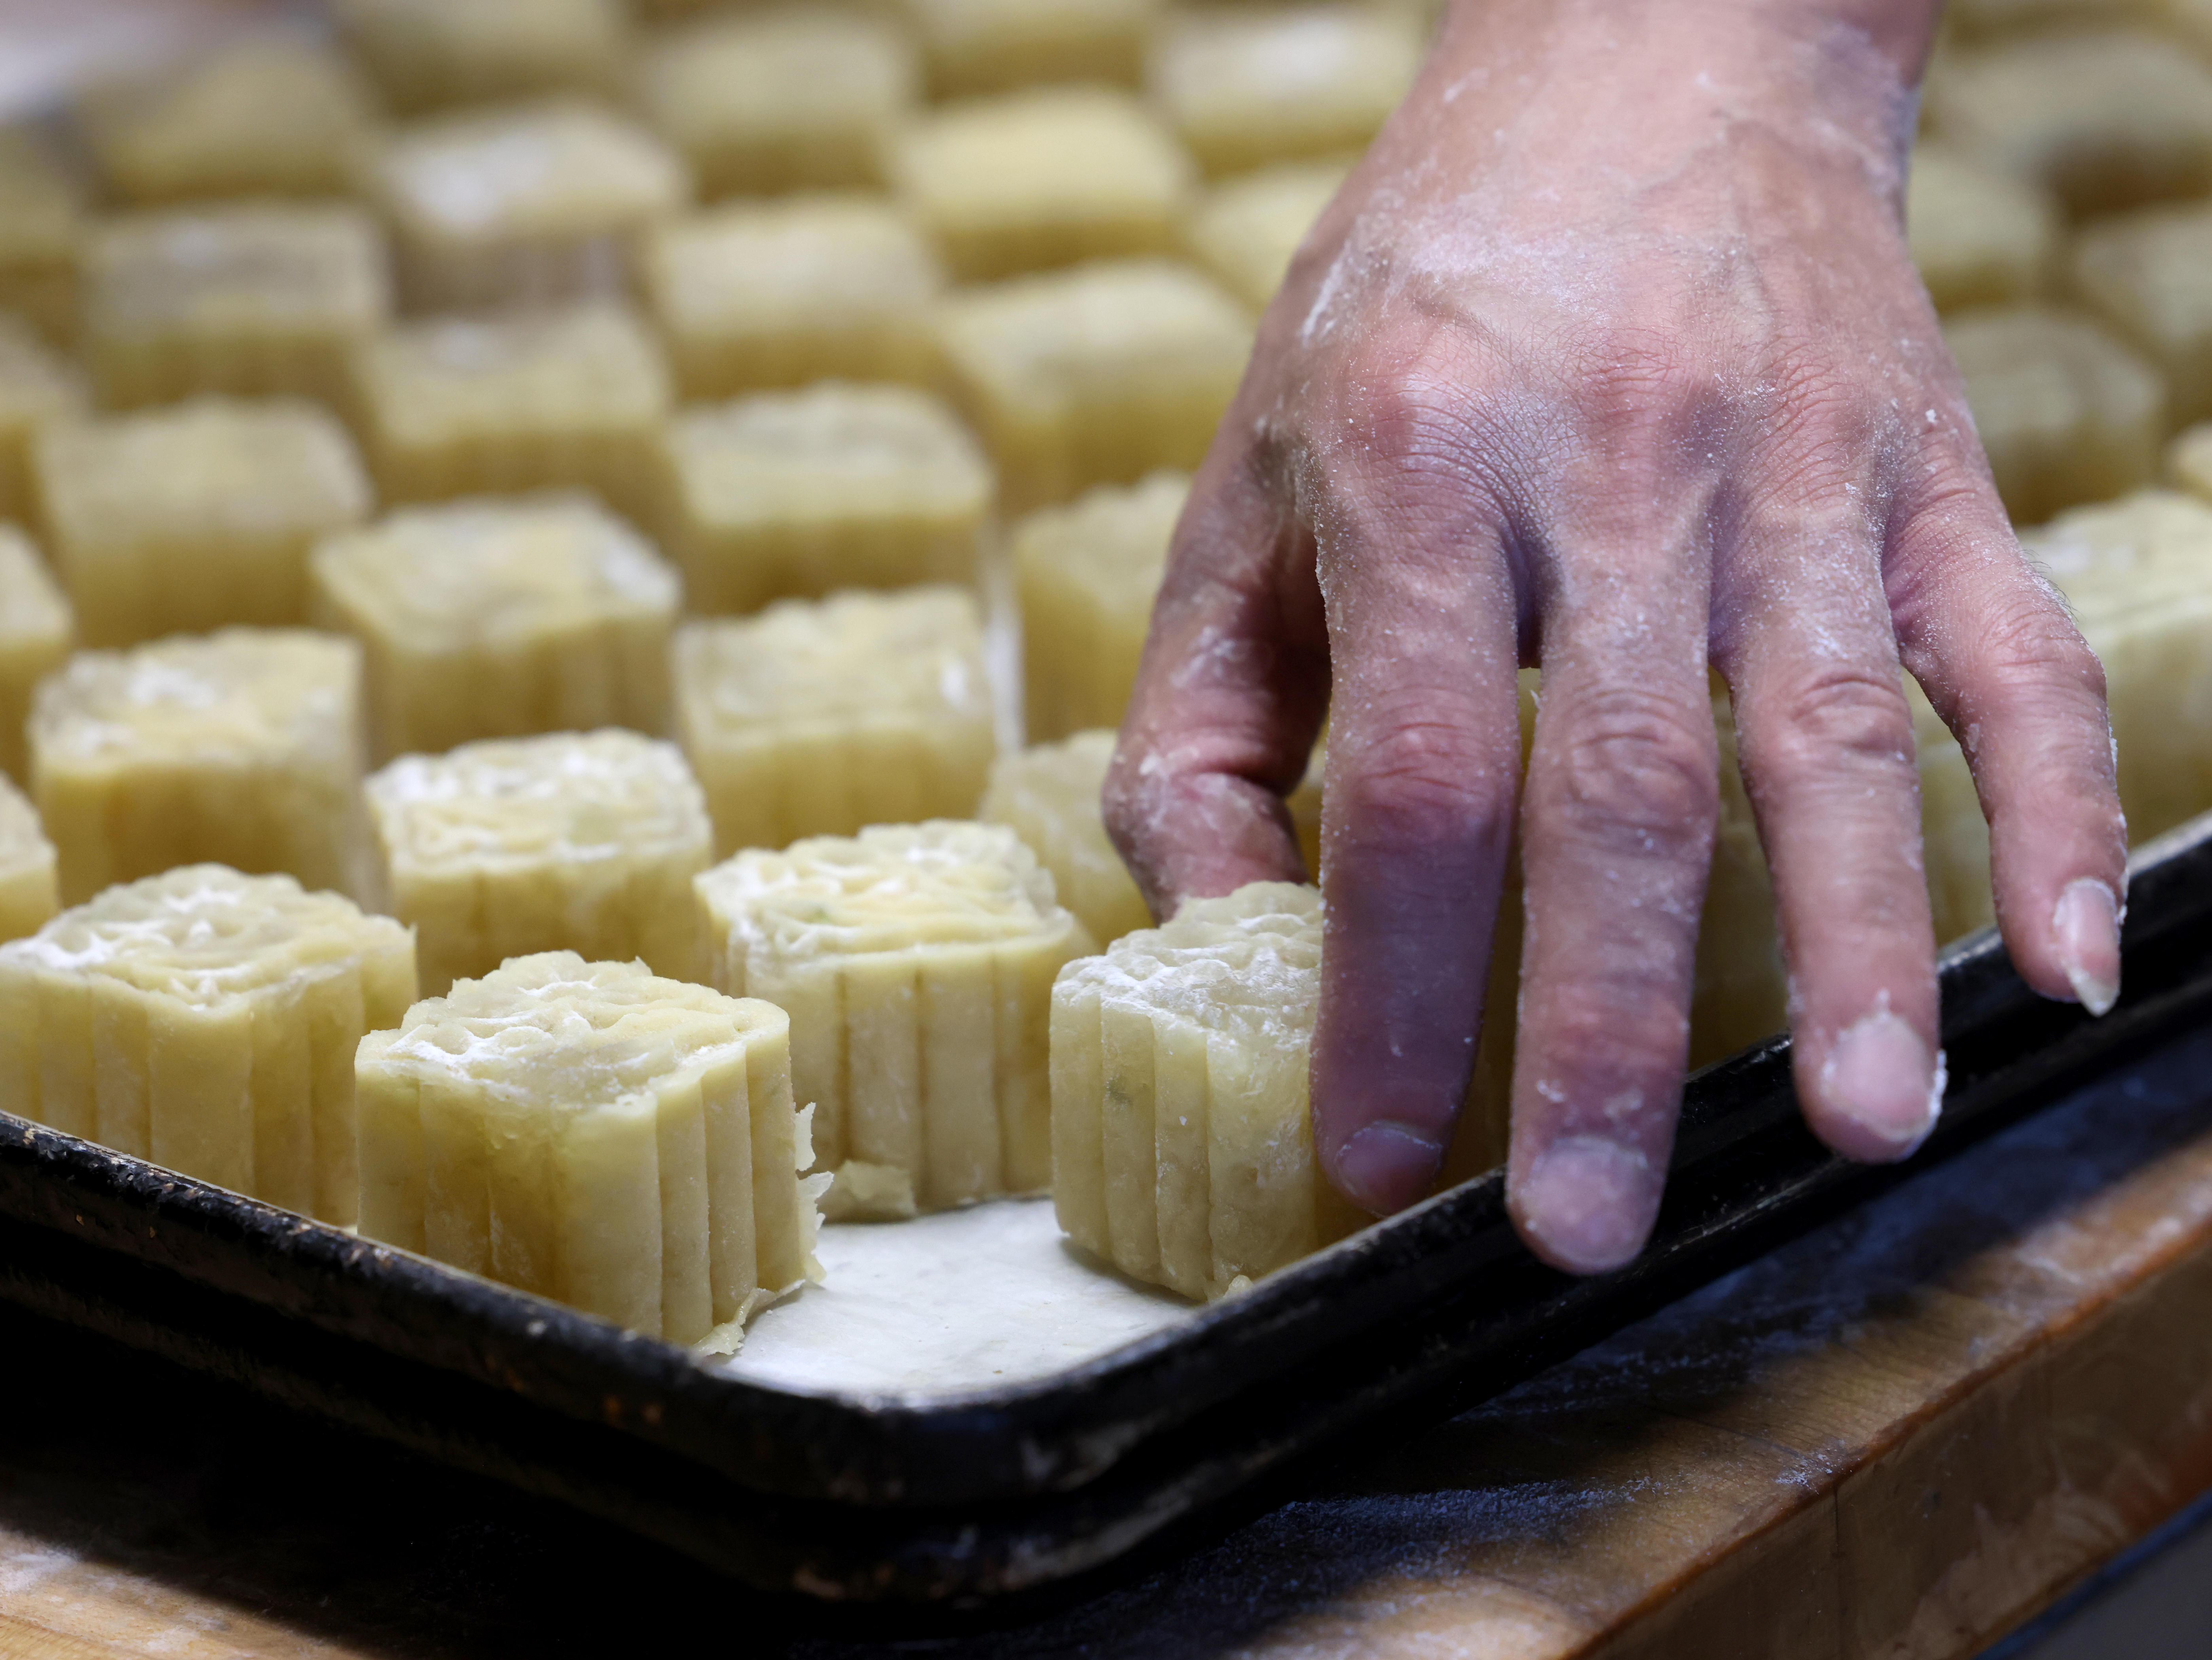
(972, 1298)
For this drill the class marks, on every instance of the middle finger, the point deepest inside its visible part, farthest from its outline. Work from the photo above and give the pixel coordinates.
(1616, 834)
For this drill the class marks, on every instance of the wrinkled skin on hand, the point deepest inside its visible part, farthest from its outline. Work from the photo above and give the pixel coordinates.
(1609, 359)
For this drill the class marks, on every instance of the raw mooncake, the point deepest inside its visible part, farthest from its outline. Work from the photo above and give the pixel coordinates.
(568, 398)
(2137, 575)
(42, 221)
(1247, 229)
(1245, 86)
(255, 299)
(1048, 796)
(817, 718)
(2105, 119)
(1182, 1141)
(272, 115)
(2149, 275)
(992, 45)
(30, 891)
(516, 204)
(623, 1144)
(193, 515)
(37, 388)
(916, 962)
(498, 618)
(207, 1021)
(36, 632)
(1980, 237)
(795, 494)
(2067, 411)
(569, 842)
(1095, 375)
(1086, 575)
(1041, 178)
(239, 747)
(428, 53)
(781, 293)
(781, 97)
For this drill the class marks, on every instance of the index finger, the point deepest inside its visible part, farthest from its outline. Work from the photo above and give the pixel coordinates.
(1229, 695)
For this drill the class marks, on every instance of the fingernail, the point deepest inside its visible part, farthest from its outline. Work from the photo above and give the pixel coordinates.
(1386, 1167)
(1881, 1076)
(1589, 1202)
(2087, 926)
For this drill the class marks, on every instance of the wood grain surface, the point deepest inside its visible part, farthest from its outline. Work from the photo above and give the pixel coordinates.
(1898, 1437)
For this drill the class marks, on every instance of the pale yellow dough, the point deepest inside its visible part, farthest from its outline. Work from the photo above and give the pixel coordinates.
(1041, 178)
(193, 515)
(1182, 1141)
(1095, 375)
(796, 494)
(39, 387)
(531, 203)
(916, 962)
(586, 1132)
(206, 1020)
(42, 221)
(1086, 575)
(2149, 275)
(498, 619)
(30, 892)
(1048, 796)
(1955, 838)
(428, 53)
(2067, 411)
(253, 299)
(780, 98)
(1977, 20)
(2104, 117)
(2137, 573)
(37, 629)
(994, 46)
(818, 718)
(754, 295)
(271, 114)
(1246, 230)
(569, 397)
(1979, 236)
(1245, 86)
(2188, 464)
(240, 746)
(576, 842)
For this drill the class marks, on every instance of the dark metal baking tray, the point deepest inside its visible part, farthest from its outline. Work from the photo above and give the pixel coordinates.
(1011, 1492)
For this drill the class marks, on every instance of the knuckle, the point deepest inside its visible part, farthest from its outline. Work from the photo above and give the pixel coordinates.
(1636, 762)
(1843, 715)
(1410, 401)
(1640, 375)
(2029, 643)
(1421, 780)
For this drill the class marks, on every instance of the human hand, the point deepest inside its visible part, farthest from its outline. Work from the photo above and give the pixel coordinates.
(1609, 358)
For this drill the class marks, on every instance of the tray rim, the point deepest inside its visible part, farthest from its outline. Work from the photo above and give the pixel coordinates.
(63, 1183)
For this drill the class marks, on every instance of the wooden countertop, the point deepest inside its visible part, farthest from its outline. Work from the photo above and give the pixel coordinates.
(1899, 1437)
